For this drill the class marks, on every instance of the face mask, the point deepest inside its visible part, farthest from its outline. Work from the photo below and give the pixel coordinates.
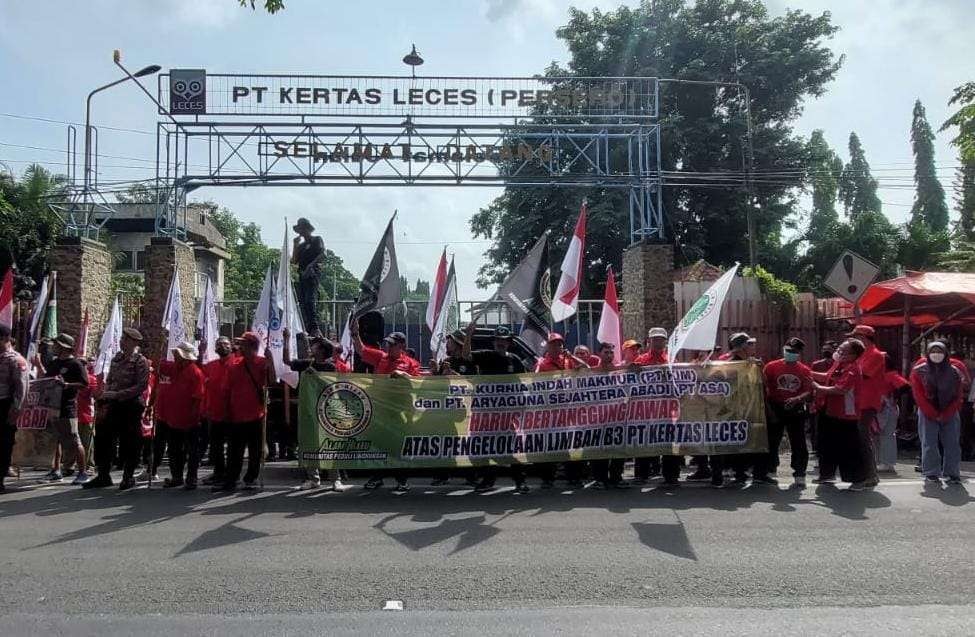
(790, 357)
(836, 356)
(936, 357)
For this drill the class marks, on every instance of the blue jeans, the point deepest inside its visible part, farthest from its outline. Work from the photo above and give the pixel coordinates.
(886, 443)
(933, 432)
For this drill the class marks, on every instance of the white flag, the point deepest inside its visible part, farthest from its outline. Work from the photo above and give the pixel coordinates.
(448, 318)
(173, 316)
(566, 297)
(290, 315)
(609, 320)
(36, 317)
(699, 328)
(348, 351)
(263, 313)
(111, 338)
(435, 302)
(206, 323)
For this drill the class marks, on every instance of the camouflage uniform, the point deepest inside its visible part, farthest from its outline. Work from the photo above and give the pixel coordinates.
(127, 381)
(13, 390)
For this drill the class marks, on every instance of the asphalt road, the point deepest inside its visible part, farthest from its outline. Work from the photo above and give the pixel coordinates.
(746, 559)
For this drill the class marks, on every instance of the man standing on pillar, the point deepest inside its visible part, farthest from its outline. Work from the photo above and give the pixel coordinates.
(309, 255)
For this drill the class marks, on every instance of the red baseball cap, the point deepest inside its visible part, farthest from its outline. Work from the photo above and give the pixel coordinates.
(555, 336)
(863, 330)
(250, 337)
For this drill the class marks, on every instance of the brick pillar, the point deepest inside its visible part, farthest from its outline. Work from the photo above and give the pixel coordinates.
(163, 255)
(84, 270)
(648, 289)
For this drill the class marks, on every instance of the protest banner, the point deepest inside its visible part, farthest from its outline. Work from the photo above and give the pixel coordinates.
(356, 421)
(36, 441)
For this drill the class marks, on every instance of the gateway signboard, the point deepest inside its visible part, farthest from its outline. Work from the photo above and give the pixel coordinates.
(194, 92)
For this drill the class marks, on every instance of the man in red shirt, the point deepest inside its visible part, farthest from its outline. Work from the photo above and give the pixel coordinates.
(556, 357)
(582, 353)
(248, 377)
(788, 387)
(873, 367)
(215, 404)
(186, 387)
(631, 352)
(395, 363)
(608, 473)
(656, 352)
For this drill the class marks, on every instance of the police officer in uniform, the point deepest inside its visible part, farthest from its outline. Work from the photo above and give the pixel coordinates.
(123, 396)
(13, 391)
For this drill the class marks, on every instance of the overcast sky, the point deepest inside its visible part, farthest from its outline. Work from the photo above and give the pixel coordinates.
(53, 53)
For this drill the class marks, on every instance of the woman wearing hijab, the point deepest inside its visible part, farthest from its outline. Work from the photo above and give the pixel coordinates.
(938, 389)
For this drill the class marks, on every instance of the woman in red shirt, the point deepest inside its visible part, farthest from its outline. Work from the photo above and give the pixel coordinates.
(840, 443)
(938, 388)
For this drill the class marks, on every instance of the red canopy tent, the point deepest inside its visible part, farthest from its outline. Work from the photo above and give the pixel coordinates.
(921, 299)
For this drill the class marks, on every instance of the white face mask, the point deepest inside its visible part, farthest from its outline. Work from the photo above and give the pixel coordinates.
(836, 356)
(936, 357)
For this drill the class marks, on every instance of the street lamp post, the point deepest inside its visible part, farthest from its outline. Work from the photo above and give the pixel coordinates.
(149, 70)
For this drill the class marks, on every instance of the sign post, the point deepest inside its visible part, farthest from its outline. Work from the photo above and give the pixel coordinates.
(850, 277)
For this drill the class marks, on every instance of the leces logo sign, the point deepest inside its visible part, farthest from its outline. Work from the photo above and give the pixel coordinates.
(187, 91)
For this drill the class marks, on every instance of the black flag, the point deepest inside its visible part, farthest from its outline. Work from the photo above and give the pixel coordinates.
(528, 293)
(380, 286)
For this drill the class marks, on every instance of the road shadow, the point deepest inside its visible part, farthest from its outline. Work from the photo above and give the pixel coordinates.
(666, 538)
(225, 535)
(955, 495)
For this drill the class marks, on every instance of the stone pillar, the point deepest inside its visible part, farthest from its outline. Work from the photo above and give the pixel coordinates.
(84, 270)
(648, 289)
(163, 256)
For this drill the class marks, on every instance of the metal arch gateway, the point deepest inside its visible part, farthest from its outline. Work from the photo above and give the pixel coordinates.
(328, 130)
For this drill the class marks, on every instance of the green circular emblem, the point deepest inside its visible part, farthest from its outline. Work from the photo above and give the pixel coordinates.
(344, 410)
(701, 308)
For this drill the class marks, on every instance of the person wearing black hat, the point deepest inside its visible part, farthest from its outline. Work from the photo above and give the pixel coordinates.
(122, 396)
(309, 255)
(496, 361)
(73, 377)
(788, 389)
(456, 363)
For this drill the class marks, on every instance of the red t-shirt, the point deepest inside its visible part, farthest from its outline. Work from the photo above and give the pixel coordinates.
(873, 366)
(215, 400)
(894, 381)
(185, 391)
(821, 365)
(341, 366)
(549, 364)
(593, 361)
(845, 406)
(383, 364)
(246, 380)
(786, 380)
(651, 357)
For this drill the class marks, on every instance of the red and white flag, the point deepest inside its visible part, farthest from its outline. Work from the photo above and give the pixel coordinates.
(82, 347)
(609, 321)
(567, 294)
(7, 299)
(437, 293)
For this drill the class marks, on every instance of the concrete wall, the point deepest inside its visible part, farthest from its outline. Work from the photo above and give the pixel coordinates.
(84, 270)
(648, 289)
(163, 255)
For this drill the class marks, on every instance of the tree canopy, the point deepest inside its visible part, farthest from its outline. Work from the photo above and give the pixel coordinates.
(782, 60)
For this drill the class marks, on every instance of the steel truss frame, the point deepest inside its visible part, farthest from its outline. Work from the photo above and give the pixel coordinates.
(329, 150)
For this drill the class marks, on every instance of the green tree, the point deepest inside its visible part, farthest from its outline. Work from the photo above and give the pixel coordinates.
(781, 59)
(929, 197)
(250, 258)
(271, 6)
(825, 232)
(964, 120)
(140, 193)
(857, 187)
(965, 200)
(29, 227)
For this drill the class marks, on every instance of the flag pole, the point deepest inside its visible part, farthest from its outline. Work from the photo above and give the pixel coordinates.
(268, 356)
(287, 319)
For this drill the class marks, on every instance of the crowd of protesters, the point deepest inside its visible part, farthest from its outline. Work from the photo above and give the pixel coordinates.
(847, 403)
